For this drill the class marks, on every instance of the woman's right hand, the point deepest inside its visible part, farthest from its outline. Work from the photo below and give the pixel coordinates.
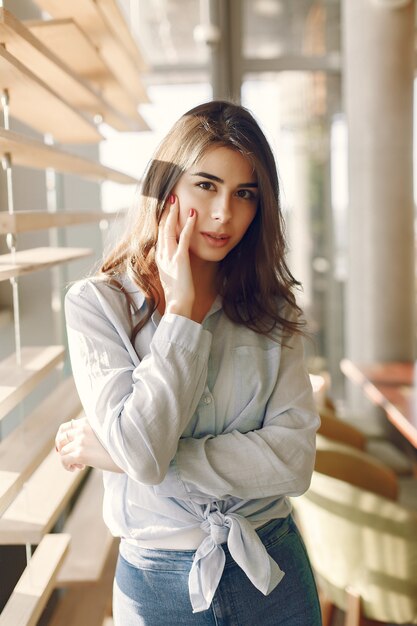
(173, 260)
(78, 446)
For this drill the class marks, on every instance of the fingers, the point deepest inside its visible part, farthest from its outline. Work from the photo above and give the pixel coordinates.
(63, 435)
(66, 445)
(173, 260)
(168, 239)
(62, 438)
(167, 236)
(70, 456)
(187, 231)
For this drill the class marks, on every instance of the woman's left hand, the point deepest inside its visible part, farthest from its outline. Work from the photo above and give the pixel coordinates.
(78, 446)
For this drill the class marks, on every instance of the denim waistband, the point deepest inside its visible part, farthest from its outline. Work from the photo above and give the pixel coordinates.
(273, 530)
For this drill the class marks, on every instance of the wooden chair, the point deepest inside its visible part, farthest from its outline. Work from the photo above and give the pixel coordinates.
(335, 428)
(362, 545)
(357, 468)
(340, 430)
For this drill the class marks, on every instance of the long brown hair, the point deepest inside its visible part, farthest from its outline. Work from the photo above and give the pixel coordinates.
(254, 279)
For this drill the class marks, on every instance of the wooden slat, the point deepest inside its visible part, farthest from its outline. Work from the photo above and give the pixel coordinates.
(71, 44)
(117, 24)
(38, 505)
(17, 381)
(34, 587)
(35, 259)
(28, 444)
(48, 67)
(29, 152)
(89, 16)
(89, 604)
(76, 50)
(91, 540)
(27, 221)
(47, 112)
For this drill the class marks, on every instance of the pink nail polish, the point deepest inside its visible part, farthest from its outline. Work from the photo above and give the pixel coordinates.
(171, 199)
(192, 212)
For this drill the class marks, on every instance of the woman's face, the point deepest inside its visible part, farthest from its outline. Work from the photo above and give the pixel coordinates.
(223, 190)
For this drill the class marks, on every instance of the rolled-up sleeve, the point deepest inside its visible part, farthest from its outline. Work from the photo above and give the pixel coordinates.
(137, 410)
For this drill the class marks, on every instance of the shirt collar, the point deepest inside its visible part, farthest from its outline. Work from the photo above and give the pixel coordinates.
(136, 295)
(139, 300)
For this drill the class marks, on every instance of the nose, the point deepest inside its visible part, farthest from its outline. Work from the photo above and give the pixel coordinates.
(222, 210)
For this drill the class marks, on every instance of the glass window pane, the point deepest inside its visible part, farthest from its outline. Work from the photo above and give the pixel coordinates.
(274, 28)
(297, 111)
(165, 31)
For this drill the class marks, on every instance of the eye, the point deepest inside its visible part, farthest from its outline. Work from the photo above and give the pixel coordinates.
(206, 185)
(246, 194)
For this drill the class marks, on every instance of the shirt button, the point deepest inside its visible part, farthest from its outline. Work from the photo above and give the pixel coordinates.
(207, 399)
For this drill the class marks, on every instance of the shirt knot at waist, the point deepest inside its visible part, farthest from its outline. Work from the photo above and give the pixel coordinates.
(217, 525)
(245, 548)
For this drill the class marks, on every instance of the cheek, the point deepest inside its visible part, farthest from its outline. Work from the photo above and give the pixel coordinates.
(248, 220)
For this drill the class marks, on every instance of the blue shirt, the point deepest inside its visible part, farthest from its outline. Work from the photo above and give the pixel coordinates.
(213, 425)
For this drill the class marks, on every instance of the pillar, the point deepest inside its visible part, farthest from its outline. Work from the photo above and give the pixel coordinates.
(378, 91)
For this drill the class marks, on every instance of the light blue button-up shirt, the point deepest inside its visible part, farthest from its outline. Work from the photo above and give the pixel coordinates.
(213, 425)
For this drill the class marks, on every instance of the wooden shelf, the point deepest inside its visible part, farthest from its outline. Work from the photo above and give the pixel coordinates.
(32, 153)
(89, 604)
(77, 51)
(35, 104)
(39, 504)
(63, 90)
(36, 584)
(90, 17)
(28, 444)
(91, 540)
(35, 259)
(27, 221)
(17, 381)
(72, 46)
(40, 60)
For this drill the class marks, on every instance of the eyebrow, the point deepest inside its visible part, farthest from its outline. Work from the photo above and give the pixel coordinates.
(220, 180)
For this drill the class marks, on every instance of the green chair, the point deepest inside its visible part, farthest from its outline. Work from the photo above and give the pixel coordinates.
(362, 545)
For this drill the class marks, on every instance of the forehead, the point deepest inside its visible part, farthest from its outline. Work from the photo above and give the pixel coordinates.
(222, 161)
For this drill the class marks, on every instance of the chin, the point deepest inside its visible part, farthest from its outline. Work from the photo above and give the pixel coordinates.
(213, 256)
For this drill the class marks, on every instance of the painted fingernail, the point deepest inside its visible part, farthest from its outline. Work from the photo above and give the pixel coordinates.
(192, 212)
(171, 199)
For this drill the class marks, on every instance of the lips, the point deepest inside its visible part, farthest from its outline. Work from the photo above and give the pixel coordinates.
(216, 239)
(216, 235)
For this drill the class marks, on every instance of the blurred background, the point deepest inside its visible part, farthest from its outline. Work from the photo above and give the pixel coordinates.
(331, 83)
(282, 60)
(302, 68)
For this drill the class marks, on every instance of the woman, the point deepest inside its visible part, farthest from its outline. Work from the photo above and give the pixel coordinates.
(187, 354)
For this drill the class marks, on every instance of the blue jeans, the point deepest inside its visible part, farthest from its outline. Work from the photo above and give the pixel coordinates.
(157, 593)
